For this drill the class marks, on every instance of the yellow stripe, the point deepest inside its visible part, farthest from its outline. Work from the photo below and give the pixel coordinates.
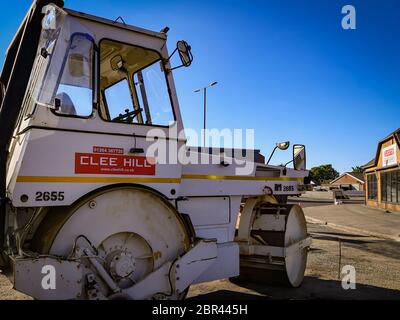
(55, 179)
(211, 177)
(49, 179)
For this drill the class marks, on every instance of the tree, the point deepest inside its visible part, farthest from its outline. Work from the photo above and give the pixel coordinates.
(324, 173)
(357, 169)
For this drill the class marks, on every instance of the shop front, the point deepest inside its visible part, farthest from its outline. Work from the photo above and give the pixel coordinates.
(382, 175)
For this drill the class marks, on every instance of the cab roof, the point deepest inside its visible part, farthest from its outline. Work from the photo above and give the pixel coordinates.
(115, 24)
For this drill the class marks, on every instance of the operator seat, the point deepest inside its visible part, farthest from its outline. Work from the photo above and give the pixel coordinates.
(66, 104)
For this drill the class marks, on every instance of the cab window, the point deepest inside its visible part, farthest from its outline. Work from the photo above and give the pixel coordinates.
(74, 95)
(133, 85)
(119, 101)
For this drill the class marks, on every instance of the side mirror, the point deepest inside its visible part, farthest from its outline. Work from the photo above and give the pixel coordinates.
(299, 157)
(185, 53)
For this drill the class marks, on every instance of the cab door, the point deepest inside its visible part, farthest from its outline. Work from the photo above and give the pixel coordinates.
(135, 97)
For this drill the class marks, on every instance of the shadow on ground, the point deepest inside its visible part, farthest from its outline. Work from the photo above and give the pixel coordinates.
(341, 234)
(311, 289)
(387, 248)
(343, 240)
(228, 295)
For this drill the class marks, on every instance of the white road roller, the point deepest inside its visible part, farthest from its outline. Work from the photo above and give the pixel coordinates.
(86, 213)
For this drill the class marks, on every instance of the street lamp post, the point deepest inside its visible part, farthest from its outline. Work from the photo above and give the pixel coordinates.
(205, 108)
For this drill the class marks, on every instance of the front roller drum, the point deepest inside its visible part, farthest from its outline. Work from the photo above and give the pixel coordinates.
(131, 233)
(277, 247)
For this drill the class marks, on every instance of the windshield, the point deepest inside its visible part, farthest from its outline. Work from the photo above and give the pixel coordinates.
(133, 85)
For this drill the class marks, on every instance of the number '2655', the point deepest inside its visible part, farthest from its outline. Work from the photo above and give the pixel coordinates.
(50, 196)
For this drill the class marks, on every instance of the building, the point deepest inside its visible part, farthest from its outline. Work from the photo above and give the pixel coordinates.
(349, 181)
(382, 174)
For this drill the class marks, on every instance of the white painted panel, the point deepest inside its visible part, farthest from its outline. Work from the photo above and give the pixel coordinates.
(205, 211)
(226, 264)
(50, 154)
(221, 234)
(28, 278)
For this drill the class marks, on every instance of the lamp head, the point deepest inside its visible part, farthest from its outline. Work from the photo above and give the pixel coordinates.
(283, 145)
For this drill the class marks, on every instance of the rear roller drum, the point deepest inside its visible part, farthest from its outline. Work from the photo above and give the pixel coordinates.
(272, 230)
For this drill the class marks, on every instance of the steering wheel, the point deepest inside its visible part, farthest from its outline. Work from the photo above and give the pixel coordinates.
(129, 116)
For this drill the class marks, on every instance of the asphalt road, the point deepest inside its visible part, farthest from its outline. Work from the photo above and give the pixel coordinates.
(311, 202)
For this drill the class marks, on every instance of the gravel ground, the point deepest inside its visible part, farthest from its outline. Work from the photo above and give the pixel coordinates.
(7, 292)
(377, 264)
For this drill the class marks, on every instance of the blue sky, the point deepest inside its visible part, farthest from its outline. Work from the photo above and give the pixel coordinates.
(285, 68)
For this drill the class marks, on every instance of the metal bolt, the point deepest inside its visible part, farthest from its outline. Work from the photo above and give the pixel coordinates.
(92, 204)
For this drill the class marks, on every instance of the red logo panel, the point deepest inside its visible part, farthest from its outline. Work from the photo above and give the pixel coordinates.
(99, 163)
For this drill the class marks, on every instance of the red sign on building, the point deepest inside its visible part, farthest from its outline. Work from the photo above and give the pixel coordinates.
(389, 152)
